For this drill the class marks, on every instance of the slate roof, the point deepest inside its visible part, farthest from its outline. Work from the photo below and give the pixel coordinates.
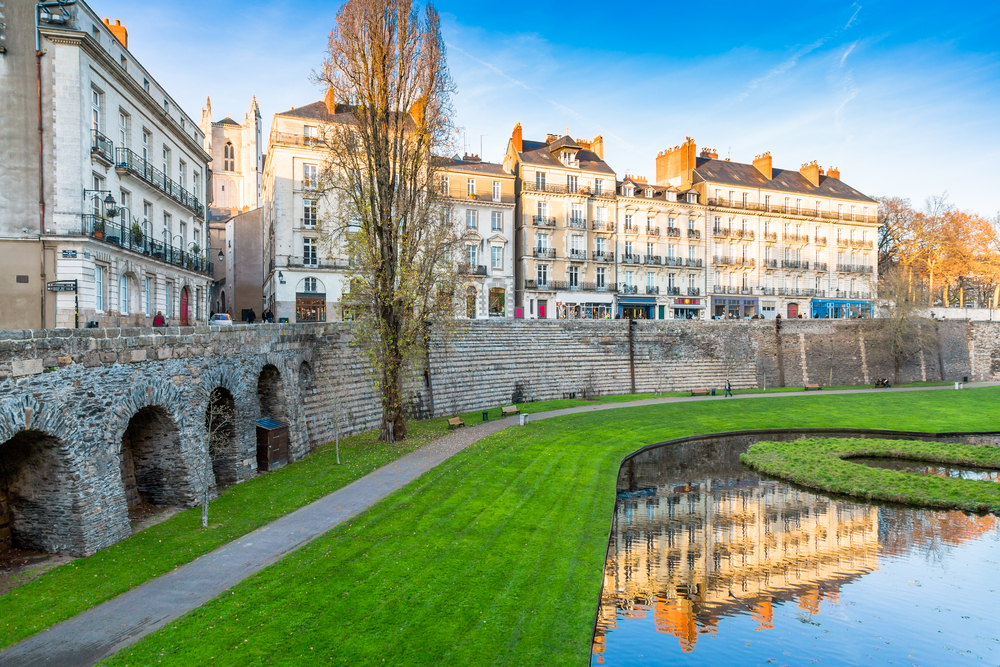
(227, 121)
(540, 154)
(452, 164)
(786, 180)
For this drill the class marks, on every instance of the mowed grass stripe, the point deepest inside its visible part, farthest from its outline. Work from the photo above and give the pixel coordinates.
(529, 509)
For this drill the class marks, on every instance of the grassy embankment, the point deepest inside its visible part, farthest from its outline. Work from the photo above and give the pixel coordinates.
(824, 463)
(495, 557)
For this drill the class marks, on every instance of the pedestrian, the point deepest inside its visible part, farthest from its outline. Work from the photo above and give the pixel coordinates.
(158, 321)
(251, 316)
(729, 389)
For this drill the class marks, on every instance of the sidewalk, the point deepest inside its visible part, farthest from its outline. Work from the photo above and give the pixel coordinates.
(101, 631)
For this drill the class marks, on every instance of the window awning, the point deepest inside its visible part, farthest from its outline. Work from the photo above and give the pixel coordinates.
(629, 301)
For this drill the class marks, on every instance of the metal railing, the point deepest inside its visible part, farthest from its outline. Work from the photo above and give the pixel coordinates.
(631, 259)
(603, 226)
(694, 291)
(654, 260)
(720, 231)
(543, 221)
(820, 266)
(769, 263)
(579, 223)
(603, 256)
(102, 147)
(577, 254)
(131, 162)
(770, 236)
(790, 210)
(725, 260)
(794, 264)
(630, 229)
(674, 261)
(742, 234)
(819, 240)
(537, 284)
(693, 262)
(571, 286)
(561, 188)
(549, 253)
(694, 234)
(861, 244)
(628, 289)
(125, 236)
(801, 291)
(853, 268)
(796, 238)
(334, 263)
(294, 139)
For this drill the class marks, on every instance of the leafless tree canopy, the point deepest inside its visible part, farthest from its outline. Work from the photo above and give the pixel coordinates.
(389, 94)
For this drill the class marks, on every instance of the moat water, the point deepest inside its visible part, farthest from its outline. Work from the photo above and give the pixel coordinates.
(925, 468)
(709, 564)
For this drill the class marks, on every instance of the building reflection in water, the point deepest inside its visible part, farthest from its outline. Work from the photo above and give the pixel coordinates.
(697, 537)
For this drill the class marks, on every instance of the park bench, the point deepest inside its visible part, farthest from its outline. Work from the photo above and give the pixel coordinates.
(812, 386)
(509, 410)
(700, 392)
(455, 422)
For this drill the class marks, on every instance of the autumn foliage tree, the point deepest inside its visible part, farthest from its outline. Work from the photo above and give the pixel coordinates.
(389, 93)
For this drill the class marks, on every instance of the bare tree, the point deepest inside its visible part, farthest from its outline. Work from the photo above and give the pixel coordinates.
(220, 422)
(734, 346)
(900, 331)
(389, 98)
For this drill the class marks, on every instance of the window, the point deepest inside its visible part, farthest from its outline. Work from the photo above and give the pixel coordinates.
(194, 182)
(96, 104)
(309, 257)
(196, 237)
(576, 214)
(309, 285)
(497, 221)
(650, 279)
(123, 295)
(444, 186)
(123, 126)
(470, 186)
(99, 288)
(600, 215)
(542, 274)
(145, 84)
(182, 173)
(145, 146)
(691, 223)
(598, 186)
(309, 175)
(496, 190)
(228, 157)
(627, 191)
(649, 249)
(167, 229)
(767, 201)
(571, 183)
(497, 257)
(168, 299)
(601, 244)
(543, 210)
(184, 235)
(628, 248)
(470, 255)
(670, 223)
(600, 277)
(124, 62)
(628, 222)
(691, 252)
(147, 212)
(574, 276)
(543, 240)
(540, 180)
(308, 212)
(166, 161)
(472, 218)
(628, 278)
(166, 105)
(670, 250)
(96, 32)
(309, 132)
(147, 296)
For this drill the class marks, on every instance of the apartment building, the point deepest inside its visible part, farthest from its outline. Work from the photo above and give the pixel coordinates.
(104, 224)
(565, 227)
(479, 197)
(661, 251)
(800, 243)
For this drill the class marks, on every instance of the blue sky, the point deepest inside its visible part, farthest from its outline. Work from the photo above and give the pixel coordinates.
(903, 97)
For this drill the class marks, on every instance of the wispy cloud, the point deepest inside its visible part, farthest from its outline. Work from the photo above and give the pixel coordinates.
(847, 52)
(850, 21)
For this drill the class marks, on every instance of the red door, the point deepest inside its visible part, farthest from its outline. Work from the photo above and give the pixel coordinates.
(541, 310)
(793, 310)
(184, 307)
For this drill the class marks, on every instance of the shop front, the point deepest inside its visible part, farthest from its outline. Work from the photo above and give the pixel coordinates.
(573, 306)
(687, 308)
(728, 308)
(636, 308)
(840, 308)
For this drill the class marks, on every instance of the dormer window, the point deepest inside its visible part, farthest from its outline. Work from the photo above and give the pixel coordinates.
(692, 198)
(671, 196)
(628, 191)
(649, 192)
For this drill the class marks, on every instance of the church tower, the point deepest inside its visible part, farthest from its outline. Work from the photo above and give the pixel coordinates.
(237, 160)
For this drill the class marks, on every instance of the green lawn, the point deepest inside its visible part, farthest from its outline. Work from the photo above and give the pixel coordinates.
(820, 463)
(495, 557)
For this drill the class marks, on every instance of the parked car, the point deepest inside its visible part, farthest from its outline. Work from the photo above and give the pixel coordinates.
(221, 319)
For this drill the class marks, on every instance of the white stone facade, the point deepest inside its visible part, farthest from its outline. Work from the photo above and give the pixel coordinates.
(237, 162)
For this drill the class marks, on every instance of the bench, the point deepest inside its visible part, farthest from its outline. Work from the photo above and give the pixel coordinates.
(701, 392)
(509, 410)
(455, 422)
(812, 386)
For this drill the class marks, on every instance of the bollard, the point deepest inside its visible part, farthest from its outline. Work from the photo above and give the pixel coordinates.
(523, 419)
(958, 385)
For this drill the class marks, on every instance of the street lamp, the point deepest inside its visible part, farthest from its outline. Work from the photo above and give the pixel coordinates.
(222, 256)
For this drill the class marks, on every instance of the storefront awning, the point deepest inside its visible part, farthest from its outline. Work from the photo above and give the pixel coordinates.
(627, 301)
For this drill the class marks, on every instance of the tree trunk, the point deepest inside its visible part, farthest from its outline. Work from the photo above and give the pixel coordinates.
(947, 295)
(930, 289)
(961, 296)
(204, 510)
(996, 295)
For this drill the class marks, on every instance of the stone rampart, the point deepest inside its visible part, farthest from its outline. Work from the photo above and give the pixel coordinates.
(94, 420)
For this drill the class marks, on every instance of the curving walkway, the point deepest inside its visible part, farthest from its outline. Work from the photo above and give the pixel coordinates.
(99, 632)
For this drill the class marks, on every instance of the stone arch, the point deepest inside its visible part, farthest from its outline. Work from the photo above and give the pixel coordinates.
(37, 489)
(221, 418)
(270, 394)
(152, 465)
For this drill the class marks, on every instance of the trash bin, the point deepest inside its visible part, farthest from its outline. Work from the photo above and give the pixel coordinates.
(713, 392)
(486, 415)
(272, 444)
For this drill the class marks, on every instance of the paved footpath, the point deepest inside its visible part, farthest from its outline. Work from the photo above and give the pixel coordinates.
(107, 628)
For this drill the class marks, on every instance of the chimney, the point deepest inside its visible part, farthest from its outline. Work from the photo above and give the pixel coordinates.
(330, 100)
(675, 166)
(833, 172)
(549, 138)
(597, 145)
(515, 137)
(811, 172)
(118, 30)
(709, 153)
(763, 164)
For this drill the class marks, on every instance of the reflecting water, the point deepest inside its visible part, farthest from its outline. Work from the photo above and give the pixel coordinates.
(711, 565)
(925, 468)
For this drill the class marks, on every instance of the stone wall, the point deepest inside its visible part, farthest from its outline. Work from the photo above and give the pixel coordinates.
(72, 394)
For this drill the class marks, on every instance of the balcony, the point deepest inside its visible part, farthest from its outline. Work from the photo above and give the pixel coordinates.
(861, 244)
(132, 163)
(694, 291)
(654, 260)
(807, 292)
(694, 234)
(841, 294)
(673, 261)
(725, 260)
(577, 286)
(770, 263)
(291, 139)
(729, 289)
(770, 237)
(843, 243)
(693, 263)
(652, 289)
(721, 231)
(543, 221)
(628, 289)
(795, 238)
(538, 285)
(745, 234)
(788, 210)
(602, 256)
(129, 238)
(768, 291)
(820, 266)
(603, 226)
(544, 253)
(630, 229)
(564, 189)
(577, 254)
(468, 269)
(102, 148)
(853, 268)
(631, 259)
(794, 264)
(325, 264)
(578, 223)
(819, 240)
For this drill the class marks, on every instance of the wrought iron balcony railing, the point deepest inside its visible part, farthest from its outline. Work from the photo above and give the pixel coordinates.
(128, 237)
(127, 161)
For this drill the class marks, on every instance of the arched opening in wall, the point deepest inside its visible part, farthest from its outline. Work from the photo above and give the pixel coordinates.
(305, 390)
(220, 425)
(151, 466)
(270, 394)
(36, 509)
